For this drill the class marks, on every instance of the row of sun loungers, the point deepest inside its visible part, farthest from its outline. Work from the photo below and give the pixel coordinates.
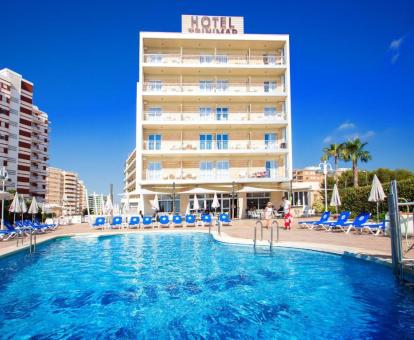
(359, 224)
(164, 221)
(24, 228)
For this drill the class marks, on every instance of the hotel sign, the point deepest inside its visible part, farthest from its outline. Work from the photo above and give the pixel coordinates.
(212, 24)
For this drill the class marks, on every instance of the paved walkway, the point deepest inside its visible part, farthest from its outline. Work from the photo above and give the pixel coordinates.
(378, 246)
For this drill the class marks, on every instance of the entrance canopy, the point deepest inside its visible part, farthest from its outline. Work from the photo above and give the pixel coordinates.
(254, 189)
(202, 191)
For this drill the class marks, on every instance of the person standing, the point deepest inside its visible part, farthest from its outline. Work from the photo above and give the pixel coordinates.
(286, 213)
(268, 214)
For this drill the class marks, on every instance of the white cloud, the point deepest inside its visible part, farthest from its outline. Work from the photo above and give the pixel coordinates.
(368, 134)
(327, 139)
(395, 47)
(346, 125)
(396, 44)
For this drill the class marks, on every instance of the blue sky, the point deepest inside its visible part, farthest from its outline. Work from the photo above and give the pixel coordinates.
(352, 71)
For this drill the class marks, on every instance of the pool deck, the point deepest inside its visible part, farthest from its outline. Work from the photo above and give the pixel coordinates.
(241, 232)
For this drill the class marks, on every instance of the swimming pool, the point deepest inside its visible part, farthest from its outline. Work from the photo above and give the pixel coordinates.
(190, 286)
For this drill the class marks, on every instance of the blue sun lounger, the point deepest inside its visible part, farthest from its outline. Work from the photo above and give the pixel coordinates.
(375, 228)
(133, 222)
(338, 224)
(177, 221)
(99, 223)
(358, 223)
(311, 224)
(7, 234)
(147, 222)
(164, 221)
(206, 220)
(190, 221)
(116, 222)
(224, 219)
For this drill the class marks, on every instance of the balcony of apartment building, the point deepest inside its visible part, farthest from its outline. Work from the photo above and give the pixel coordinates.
(218, 114)
(173, 85)
(232, 143)
(215, 171)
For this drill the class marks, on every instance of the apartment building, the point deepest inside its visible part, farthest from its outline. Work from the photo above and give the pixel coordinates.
(24, 136)
(213, 114)
(65, 191)
(313, 174)
(130, 173)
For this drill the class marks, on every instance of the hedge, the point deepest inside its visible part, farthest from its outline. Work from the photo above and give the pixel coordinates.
(356, 199)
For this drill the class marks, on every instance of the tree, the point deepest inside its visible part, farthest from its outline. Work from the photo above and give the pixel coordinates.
(354, 151)
(335, 151)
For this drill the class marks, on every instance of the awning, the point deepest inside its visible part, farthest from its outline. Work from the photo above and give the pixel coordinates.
(254, 189)
(202, 191)
(142, 192)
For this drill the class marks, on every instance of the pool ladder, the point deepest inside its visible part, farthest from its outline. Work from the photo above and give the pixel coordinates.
(274, 225)
(32, 240)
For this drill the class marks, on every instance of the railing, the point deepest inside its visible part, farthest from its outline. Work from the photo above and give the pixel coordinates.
(210, 59)
(214, 146)
(229, 88)
(214, 117)
(212, 175)
(271, 228)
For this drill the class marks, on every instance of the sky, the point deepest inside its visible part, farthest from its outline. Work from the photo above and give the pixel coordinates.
(352, 71)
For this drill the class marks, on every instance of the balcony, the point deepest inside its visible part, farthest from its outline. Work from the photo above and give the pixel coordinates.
(195, 147)
(220, 60)
(213, 89)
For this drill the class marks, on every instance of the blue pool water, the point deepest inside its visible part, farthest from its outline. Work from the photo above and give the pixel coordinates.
(158, 286)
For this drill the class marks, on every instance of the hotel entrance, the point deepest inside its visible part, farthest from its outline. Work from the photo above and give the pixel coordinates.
(205, 201)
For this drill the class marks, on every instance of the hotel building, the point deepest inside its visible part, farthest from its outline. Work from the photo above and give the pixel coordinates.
(213, 115)
(65, 191)
(24, 136)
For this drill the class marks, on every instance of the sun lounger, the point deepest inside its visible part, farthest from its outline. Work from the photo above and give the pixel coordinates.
(177, 221)
(190, 221)
(99, 223)
(18, 230)
(339, 224)
(133, 222)
(206, 220)
(116, 222)
(164, 221)
(7, 234)
(374, 228)
(147, 222)
(224, 219)
(358, 223)
(311, 224)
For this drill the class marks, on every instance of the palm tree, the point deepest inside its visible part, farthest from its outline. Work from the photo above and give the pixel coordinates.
(334, 151)
(354, 151)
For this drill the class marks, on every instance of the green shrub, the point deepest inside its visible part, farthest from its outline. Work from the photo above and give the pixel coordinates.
(356, 199)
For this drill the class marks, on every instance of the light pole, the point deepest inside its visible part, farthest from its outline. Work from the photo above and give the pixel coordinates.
(4, 176)
(325, 167)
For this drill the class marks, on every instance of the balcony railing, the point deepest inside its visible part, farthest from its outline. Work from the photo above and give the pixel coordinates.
(214, 117)
(221, 59)
(214, 146)
(213, 175)
(230, 88)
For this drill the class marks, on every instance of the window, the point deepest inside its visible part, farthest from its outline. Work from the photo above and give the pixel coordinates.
(154, 170)
(154, 142)
(270, 141)
(257, 200)
(204, 201)
(206, 141)
(222, 169)
(270, 112)
(221, 59)
(155, 58)
(269, 58)
(206, 85)
(271, 169)
(155, 85)
(166, 203)
(154, 113)
(205, 113)
(206, 170)
(269, 86)
(300, 198)
(222, 140)
(222, 113)
(222, 85)
(206, 59)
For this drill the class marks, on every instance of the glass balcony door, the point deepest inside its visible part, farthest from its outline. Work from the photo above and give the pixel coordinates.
(206, 170)
(206, 113)
(154, 142)
(222, 85)
(270, 141)
(206, 85)
(154, 170)
(222, 140)
(270, 112)
(155, 85)
(154, 113)
(222, 169)
(206, 59)
(206, 141)
(222, 113)
(269, 86)
(271, 169)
